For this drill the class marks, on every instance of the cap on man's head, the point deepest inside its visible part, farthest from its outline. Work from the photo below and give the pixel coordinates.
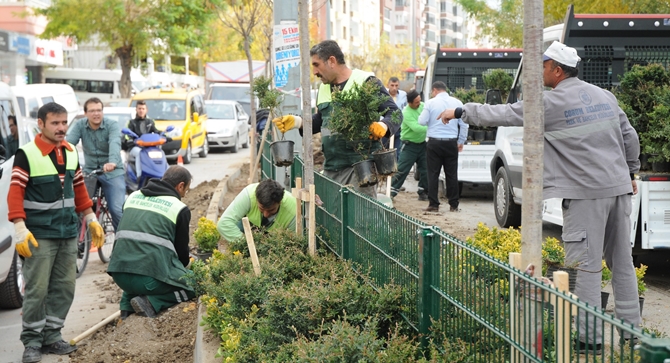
(561, 53)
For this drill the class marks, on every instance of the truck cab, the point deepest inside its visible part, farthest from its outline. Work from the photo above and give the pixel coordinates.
(609, 45)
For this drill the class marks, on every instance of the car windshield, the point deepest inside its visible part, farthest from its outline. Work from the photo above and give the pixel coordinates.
(215, 111)
(121, 118)
(230, 93)
(171, 110)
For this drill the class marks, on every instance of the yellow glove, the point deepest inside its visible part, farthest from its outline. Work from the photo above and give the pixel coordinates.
(288, 122)
(378, 130)
(22, 236)
(97, 233)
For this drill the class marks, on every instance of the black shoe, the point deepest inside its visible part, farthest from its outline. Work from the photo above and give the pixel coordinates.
(31, 355)
(633, 341)
(423, 197)
(402, 189)
(60, 347)
(583, 348)
(142, 305)
(454, 209)
(432, 209)
(126, 313)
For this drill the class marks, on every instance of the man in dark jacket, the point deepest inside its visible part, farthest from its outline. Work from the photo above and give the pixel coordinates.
(140, 125)
(151, 250)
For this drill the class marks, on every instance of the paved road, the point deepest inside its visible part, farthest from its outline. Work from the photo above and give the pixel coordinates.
(217, 165)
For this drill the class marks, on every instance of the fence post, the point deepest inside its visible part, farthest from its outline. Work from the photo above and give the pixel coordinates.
(348, 247)
(655, 350)
(426, 251)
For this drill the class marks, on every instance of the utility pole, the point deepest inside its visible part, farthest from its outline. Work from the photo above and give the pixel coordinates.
(308, 174)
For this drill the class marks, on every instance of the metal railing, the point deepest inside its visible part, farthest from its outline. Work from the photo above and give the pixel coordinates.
(460, 295)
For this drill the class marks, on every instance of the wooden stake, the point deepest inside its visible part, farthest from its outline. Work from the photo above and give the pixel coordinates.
(514, 326)
(252, 246)
(95, 328)
(252, 169)
(298, 211)
(389, 178)
(312, 220)
(563, 318)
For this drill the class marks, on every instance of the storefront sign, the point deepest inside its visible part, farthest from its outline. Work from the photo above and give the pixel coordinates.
(48, 51)
(20, 44)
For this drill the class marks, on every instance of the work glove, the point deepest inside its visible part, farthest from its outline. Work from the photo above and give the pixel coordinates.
(378, 130)
(97, 233)
(22, 236)
(288, 122)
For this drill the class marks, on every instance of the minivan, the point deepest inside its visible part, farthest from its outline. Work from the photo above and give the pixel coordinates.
(100, 83)
(239, 92)
(33, 96)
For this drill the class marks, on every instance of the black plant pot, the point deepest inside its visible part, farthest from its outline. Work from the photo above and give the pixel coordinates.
(479, 135)
(660, 166)
(471, 134)
(366, 172)
(604, 299)
(491, 134)
(386, 162)
(644, 162)
(282, 152)
(203, 256)
(641, 304)
(572, 275)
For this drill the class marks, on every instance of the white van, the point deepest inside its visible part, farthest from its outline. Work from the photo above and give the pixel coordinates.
(11, 277)
(33, 96)
(239, 92)
(100, 83)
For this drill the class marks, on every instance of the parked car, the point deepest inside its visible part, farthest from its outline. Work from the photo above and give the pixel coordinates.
(227, 125)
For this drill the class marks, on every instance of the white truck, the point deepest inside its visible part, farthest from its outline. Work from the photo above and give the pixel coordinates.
(609, 45)
(465, 68)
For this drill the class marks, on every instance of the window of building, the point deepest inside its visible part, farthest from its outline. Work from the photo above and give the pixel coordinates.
(430, 18)
(454, 10)
(399, 3)
(431, 3)
(344, 32)
(443, 6)
(354, 29)
(387, 13)
(430, 35)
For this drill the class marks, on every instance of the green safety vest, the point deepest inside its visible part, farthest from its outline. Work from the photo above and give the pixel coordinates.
(145, 239)
(48, 203)
(339, 152)
(285, 216)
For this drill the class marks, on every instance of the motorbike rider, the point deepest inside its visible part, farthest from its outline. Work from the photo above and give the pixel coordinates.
(140, 125)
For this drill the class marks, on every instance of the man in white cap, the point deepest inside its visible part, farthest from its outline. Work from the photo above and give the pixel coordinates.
(590, 156)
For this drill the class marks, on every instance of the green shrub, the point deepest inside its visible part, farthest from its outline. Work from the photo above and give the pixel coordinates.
(470, 95)
(499, 79)
(206, 235)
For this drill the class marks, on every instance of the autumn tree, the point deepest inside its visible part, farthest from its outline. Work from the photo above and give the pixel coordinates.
(384, 59)
(131, 27)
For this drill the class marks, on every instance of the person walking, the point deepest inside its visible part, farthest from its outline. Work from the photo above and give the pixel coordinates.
(46, 193)
(101, 140)
(590, 157)
(445, 141)
(151, 249)
(329, 65)
(413, 138)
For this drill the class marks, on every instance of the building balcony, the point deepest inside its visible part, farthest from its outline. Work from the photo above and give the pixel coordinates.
(10, 20)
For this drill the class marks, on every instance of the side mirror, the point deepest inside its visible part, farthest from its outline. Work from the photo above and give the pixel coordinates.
(196, 117)
(169, 128)
(493, 97)
(126, 131)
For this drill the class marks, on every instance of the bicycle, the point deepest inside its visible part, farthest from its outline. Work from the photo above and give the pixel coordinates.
(104, 218)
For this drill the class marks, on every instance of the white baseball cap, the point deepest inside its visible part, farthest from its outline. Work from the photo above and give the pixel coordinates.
(561, 53)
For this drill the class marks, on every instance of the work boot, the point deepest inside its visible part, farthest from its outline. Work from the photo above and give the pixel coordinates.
(142, 305)
(592, 349)
(31, 355)
(126, 313)
(423, 197)
(60, 347)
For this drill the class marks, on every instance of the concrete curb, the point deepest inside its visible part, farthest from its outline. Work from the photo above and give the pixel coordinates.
(204, 352)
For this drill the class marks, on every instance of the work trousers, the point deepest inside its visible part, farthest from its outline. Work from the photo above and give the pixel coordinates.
(593, 228)
(442, 154)
(160, 295)
(49, 275)
(115, 194)
(410, 154)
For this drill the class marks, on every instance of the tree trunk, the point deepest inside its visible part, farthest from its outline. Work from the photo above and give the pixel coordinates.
(125, 55)
(252, 145)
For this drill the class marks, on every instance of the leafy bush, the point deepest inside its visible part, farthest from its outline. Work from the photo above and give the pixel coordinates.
(499, 79)
(639, 274)
(470, 95)
(206, 235)
(606, 275)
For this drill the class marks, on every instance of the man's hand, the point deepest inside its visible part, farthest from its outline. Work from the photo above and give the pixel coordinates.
(460, 148)
(288, 122)
(97, 233)
(447, 115)
(22, 236)
(378, 130)
(108, 167)
(634, 187)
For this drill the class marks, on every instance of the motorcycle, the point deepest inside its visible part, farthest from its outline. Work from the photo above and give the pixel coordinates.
(152, 159)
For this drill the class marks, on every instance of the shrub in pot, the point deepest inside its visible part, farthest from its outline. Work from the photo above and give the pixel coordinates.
(206, 237)
(641, 285)
(606, 278)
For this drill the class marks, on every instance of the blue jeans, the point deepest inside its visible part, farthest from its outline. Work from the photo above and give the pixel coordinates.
(115, 193)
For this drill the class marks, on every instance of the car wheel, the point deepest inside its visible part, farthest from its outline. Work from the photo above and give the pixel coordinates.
(205, 149)
(12, 290)
(236, 145)
(189, 155)
(246, 143)
(508, 213)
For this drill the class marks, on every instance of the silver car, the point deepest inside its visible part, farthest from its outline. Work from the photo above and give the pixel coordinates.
(227, 125)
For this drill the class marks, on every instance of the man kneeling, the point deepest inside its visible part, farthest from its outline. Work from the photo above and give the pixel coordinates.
(151, 250)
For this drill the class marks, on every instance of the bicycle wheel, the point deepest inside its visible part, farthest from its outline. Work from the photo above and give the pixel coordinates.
(105, 218)
(83, 250)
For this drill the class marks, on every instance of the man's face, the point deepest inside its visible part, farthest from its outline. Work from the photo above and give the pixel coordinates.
(549, 73)
(13, 129)
(183, 188)
(393, 88)
(324, 70)
(175, 110)
(94, 113)
(54, 127)
(141, 110)
(415, 103)
(269, 211)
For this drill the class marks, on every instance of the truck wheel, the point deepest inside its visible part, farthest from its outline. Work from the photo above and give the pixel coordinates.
(11, 291)
(508, 213)
(189, 154)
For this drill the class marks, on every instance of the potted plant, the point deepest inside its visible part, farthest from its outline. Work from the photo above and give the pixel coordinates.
(606, 278)
(354, 110)
(641, 285)
(553, 256)
(282, 150)
(206, 237)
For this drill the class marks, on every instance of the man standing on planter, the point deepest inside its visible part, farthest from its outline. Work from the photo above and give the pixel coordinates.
(413, 137)
(445, 141)
(590, 157)
(328, 64)
(151, 250)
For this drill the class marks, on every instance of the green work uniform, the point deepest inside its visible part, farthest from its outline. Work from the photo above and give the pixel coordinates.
(144, 260)
(413, 137)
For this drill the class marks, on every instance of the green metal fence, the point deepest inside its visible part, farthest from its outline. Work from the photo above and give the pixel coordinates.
(464, 295)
